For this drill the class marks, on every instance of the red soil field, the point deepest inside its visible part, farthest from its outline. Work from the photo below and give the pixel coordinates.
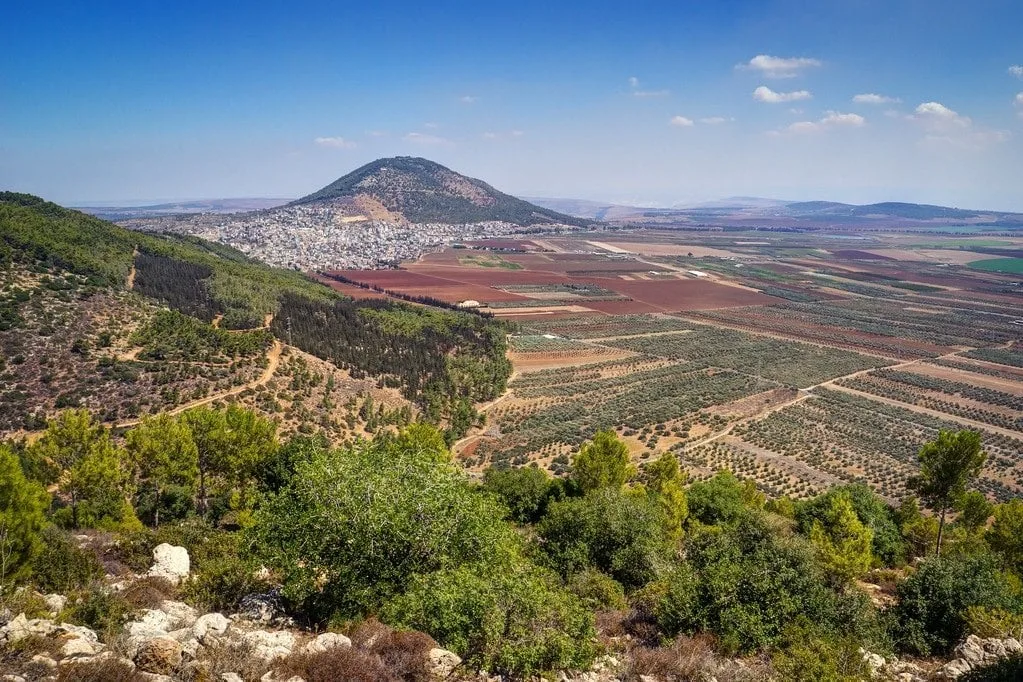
(688, 294)
(351, 290)
(456, 293)
(622, 307)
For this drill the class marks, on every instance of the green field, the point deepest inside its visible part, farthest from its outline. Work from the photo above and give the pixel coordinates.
(1013, 265)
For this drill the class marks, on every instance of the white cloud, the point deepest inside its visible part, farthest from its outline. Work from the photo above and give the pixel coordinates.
(937, 116)
(766, 94)
(633, 82)
(489, 135)
(1019, 103)
(944, 127)
(334, 142)
(467, 99)
(681, 122)
(872, 98)
(425, 139)
(715, 120)
(517, 133)
(779, 67)
(1016, 71)
(831, 119)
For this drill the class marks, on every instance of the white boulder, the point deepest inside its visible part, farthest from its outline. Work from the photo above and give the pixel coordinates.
(170, 562)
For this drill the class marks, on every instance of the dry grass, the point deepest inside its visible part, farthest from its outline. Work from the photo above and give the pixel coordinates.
(147, 593)
(100, 670)
(378, 654)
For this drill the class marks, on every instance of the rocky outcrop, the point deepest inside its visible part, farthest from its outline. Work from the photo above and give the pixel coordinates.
(976, 653)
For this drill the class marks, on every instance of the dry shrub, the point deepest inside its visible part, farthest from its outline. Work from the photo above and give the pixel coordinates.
(226, 657)
(148, 592)
(17, 656)
(378, 654)
(404, 653)
(627, 623)
(100, 670)
(337, 663)
(687, 659)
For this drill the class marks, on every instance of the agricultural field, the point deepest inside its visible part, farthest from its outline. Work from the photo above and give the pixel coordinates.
(854, 438)
(795, 360)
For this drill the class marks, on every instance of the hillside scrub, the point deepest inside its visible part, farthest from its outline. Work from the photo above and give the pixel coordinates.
(521, 574)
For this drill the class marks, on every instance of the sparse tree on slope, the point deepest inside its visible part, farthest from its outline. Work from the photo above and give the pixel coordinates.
(21, 517)
(948, 465)
(602, 463)
(164, 453)
(842, 542)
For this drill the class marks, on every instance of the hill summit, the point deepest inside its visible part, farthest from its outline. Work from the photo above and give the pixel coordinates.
(423, 191)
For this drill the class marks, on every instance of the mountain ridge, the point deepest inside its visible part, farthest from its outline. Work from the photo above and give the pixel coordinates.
(424, 191)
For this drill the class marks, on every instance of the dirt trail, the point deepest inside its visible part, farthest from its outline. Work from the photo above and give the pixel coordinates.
(273, 358)
(482, 409)
(129, 282)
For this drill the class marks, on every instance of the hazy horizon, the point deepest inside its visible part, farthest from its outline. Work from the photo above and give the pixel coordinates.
(656, 104)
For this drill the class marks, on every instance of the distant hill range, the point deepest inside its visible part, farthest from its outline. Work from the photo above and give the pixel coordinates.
(422, 191)
(756, 211)
(178, 207)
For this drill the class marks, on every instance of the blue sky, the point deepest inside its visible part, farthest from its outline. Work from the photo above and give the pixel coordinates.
(642, 102)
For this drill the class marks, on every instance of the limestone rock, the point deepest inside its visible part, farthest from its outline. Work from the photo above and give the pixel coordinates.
(181, 615)
(270, 646)
(231, 677)
(170, 562)
(78, 646)
(44, 662)
(55, 603)
(210, 624)
(160, 655)
(328, 640)
(443, 662)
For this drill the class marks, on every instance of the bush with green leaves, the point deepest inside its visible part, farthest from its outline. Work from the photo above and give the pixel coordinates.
(807, 656)
(722, 499)
(745, 583)
(872, 511)
(61, 566)
(1006, 535)
(354, 525)
(625, 535)
(513, 619)
(526, 491)
(934, 602)
(22, 503)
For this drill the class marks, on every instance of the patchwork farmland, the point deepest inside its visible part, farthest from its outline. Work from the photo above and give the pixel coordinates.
(794, 361)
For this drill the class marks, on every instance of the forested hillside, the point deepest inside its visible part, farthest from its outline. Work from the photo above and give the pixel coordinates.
(68, 276)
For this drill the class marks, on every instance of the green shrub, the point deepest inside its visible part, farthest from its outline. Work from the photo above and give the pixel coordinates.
(621, 534)
(61, 566)
(723, 499)
(934, 601)
(355, 525)
(525, 491)
(808, 657)
(598, 591)
(103, 611)
(513, 619)
(745, 583)
(871, 510)
(994, 622)
(1009, 670)
(21, 518)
